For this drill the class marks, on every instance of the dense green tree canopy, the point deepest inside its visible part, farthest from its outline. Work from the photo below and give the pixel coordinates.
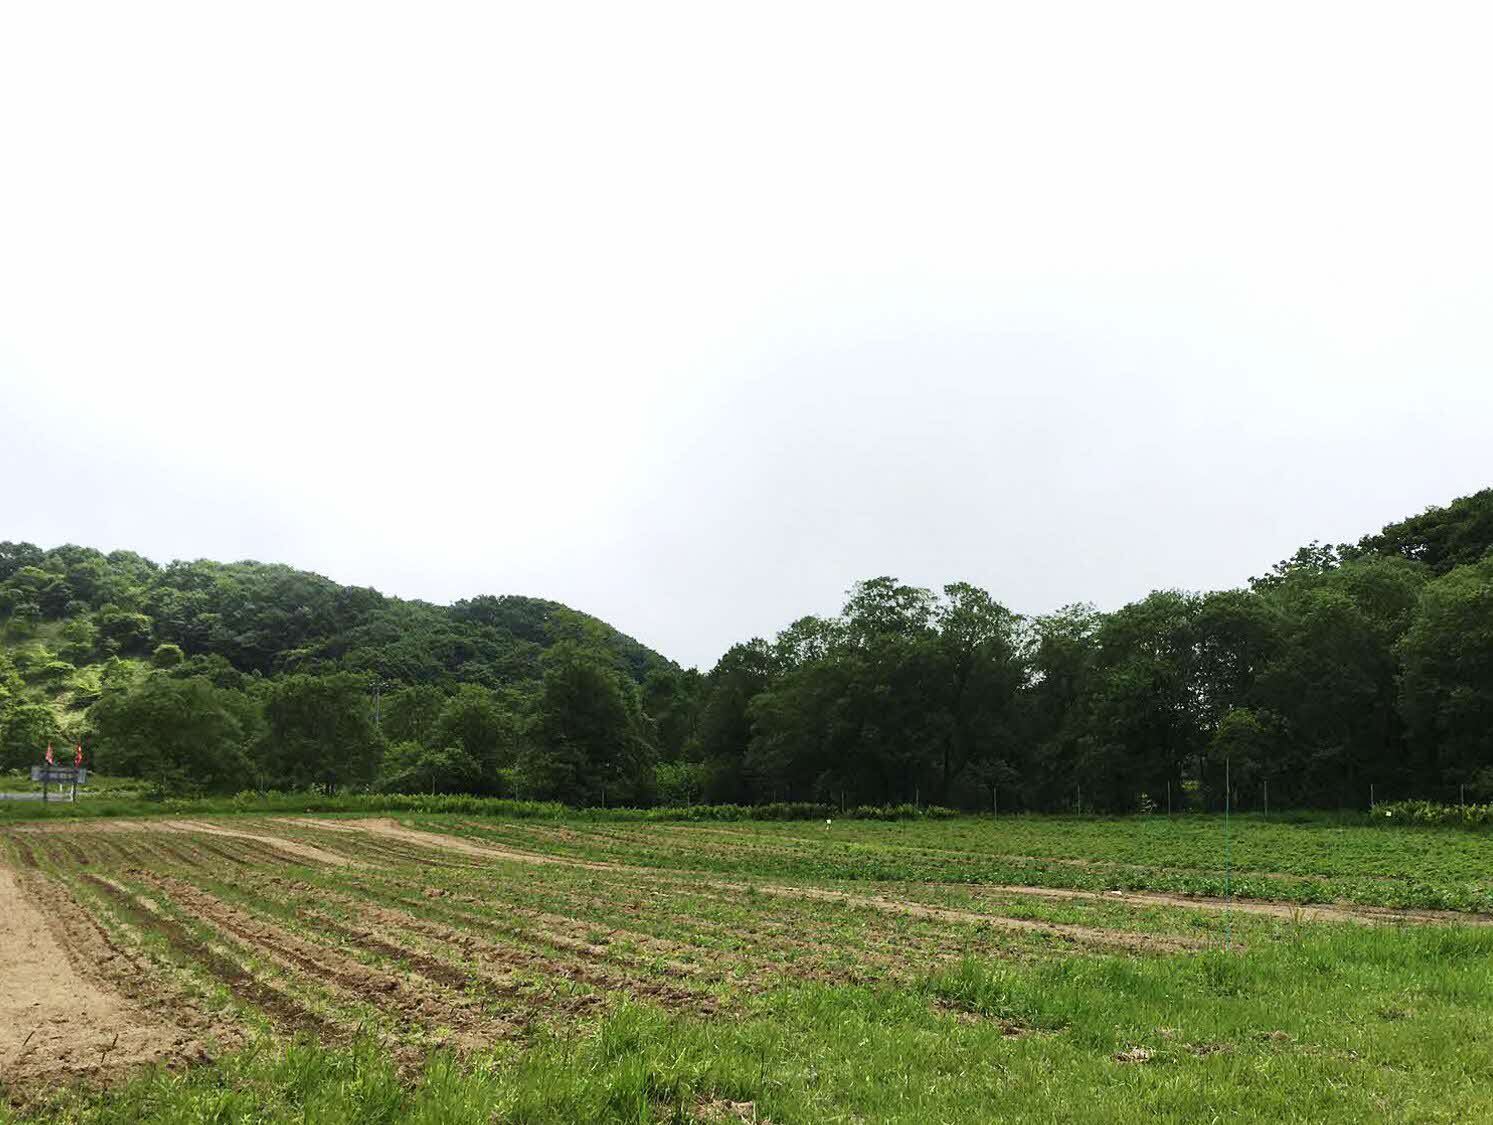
(1446, 687)
(320, 731)
(1345, 670)
(587, 744)
(185, 736)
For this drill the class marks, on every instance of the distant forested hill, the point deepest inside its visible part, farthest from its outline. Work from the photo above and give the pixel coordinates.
(1346, 671)
(83, 632)
(84, 607)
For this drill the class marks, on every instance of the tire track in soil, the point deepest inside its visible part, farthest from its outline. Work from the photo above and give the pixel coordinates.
(392, 829)
(215, 851)
(557, 933)
(759, 955)
(188, 857)
(76, 854)
(452, 976)
(596, 971)
(699, 934)
(106, 850)
(394, 853)
(455, 977)
(23, 849)
(886, 939)
(445, 973)
(550, 932)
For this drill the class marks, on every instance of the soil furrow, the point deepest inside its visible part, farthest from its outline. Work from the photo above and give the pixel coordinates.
(283, 1011)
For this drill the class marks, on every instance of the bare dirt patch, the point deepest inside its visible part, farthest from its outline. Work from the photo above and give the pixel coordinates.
(278, 843)
(387, 826)
(56, 1022)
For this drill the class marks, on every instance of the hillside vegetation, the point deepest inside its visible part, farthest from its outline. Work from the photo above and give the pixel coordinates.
(1345, 674)
(204, 675)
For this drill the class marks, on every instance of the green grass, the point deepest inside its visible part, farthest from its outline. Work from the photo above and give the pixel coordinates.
(1347, 1025)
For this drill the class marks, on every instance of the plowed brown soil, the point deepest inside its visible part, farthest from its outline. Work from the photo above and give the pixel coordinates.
(57, 1022)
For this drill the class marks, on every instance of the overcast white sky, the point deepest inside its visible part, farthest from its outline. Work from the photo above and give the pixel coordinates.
(691, 315)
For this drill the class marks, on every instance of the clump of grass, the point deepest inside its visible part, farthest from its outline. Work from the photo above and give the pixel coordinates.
(1000, 992)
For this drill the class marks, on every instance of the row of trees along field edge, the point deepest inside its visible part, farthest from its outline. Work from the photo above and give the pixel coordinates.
(1344, 670)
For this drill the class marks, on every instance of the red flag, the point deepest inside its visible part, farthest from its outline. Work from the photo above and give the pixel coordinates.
(78, 755)
(49, 754)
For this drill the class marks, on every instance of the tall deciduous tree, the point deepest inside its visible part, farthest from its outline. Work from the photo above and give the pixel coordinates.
(185, 736)
(1446, 691)
(320, 732)
(409, 767)
(742, 673)
(586, 746)
(475, 721)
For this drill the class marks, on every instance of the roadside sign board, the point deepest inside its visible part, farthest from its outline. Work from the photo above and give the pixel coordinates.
(60, 775)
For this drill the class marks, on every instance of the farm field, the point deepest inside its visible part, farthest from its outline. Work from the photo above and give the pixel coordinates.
(453, 968)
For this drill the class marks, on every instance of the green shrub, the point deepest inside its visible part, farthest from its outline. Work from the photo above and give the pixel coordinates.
(1432, 813)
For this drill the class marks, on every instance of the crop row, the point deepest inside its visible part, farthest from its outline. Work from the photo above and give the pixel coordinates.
(1291, 863)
